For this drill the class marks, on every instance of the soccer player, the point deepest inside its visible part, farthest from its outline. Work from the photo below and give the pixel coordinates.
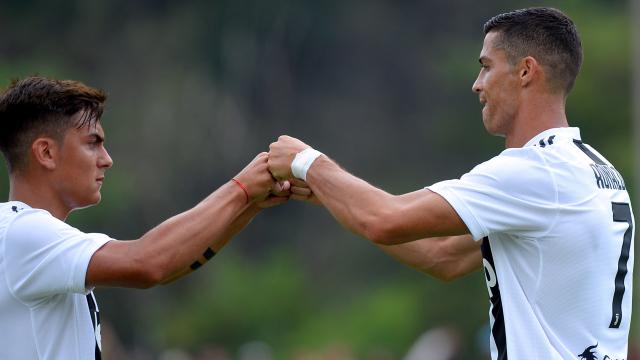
(53, 142)
(549, 218)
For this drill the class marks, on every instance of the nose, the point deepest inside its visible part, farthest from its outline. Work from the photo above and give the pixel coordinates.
(105, 159)
(476, 87)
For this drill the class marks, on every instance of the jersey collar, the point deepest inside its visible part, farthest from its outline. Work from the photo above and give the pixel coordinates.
(548, 136)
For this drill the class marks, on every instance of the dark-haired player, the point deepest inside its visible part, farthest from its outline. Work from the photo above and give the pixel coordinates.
(52, 139)
(549, 218)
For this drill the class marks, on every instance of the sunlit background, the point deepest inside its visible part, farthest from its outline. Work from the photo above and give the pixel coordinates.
(197, 88)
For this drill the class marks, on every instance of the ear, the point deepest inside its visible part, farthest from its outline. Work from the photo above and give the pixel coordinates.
(529, 68)
(44, 151)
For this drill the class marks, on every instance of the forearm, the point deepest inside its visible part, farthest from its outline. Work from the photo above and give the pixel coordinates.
(357, 205)
(186, 241)
(216, 244)
(173, 246)
(179, 241)
(360, 207)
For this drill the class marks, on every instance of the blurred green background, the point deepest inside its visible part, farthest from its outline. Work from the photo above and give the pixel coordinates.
(197, 88)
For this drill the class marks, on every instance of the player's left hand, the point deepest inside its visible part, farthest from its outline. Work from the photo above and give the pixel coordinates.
(281, 155)
(278, 195)
(301, 191)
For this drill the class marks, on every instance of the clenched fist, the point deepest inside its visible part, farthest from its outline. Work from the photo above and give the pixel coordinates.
(281, 154)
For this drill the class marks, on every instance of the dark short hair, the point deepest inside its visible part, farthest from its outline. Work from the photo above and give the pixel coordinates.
(37, 106)
(546, 34)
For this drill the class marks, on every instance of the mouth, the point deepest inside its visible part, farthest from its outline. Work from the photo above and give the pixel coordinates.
(100, 180)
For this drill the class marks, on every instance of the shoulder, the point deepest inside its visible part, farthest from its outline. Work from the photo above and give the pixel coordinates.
(30, 228)
(518, 171)
(34, 221)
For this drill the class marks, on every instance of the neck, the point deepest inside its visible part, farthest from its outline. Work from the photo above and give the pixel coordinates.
(37, 194)
(536, 115)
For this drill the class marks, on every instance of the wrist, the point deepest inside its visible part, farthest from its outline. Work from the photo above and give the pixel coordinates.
(244, 189)
(303, 161)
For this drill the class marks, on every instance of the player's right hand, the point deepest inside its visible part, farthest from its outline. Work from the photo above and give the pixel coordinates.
(257, 179)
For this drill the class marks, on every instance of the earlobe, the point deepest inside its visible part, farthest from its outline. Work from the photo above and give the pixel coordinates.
(44, 151)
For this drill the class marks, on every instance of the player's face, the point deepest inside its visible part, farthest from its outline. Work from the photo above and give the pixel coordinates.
(497, 86)
(81, 166)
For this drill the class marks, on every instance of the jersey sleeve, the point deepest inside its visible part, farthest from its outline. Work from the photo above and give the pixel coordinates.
(512, 193)
(45, 256)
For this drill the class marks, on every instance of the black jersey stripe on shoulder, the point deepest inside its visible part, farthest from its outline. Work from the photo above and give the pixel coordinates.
(588, 152)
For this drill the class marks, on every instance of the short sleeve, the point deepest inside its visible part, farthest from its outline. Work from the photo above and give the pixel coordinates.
(512, 193)
(45, 256)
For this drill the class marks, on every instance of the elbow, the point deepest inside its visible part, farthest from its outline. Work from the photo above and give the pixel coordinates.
(438, 272)
(380, 229)
(152, 279)
(440, 264)
(148, 278)
(147, 275)
(379, 234)
(445, 276)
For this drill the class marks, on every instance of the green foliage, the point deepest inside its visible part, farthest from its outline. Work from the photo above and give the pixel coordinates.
(241, 300)
(273, 301)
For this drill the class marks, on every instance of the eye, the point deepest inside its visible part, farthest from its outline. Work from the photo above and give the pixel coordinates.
(94, 142)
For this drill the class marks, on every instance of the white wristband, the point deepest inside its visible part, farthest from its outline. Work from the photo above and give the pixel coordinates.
(302, 162)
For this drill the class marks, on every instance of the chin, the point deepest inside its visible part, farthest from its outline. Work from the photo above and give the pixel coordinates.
(95, 200)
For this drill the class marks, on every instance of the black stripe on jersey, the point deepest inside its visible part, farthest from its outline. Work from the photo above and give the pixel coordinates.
(588, 152)
(95, 321)
(621, 213)
(498, 330)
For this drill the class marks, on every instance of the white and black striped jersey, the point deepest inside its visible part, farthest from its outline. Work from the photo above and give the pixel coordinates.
(556, 226)
(45, 310)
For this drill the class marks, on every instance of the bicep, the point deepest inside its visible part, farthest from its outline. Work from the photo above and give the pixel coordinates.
(422, 214)
(115, 264)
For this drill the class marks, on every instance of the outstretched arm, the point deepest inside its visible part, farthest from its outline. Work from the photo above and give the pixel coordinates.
(445, 258)
(179, 244)
(364, 209)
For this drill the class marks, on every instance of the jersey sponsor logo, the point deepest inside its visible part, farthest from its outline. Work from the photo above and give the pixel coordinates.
(498, 331)
(590, 353)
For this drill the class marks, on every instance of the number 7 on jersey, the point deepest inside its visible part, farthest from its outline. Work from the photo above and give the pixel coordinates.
(621, 213)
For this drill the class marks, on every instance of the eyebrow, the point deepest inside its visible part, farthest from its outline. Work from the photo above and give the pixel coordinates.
(483, 59)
